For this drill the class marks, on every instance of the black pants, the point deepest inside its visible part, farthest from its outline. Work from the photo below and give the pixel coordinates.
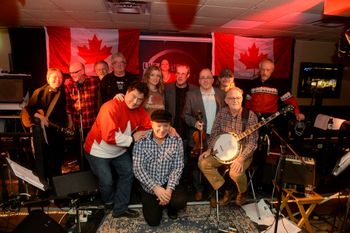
(152, 211)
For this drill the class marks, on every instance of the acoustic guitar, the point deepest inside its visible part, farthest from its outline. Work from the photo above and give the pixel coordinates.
(26, 121)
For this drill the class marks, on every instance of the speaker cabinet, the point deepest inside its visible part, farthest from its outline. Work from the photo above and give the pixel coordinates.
(37, 221)
(75, 183)
(13, 87)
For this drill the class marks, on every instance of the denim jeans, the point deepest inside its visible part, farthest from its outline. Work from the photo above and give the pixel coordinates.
(113, 191)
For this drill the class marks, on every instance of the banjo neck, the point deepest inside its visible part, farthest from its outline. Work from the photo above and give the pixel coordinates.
(263, 122)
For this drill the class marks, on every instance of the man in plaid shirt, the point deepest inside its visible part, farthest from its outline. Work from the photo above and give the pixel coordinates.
(229, 119)
(158, 163)
(81, 95)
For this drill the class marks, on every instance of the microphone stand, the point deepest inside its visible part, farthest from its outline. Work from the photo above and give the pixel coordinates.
(81, 132)
(279, 176)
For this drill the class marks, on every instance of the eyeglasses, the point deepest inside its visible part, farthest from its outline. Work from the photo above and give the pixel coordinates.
(234, 98)
(75, 72)
(118, 63)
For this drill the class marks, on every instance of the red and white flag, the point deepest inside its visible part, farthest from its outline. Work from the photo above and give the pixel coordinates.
(66, 45)
(243, 54)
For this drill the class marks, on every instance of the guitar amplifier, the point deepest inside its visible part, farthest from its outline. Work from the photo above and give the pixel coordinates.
(300, 171)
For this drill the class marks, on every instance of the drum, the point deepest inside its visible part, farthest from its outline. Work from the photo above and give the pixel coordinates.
(226, 148)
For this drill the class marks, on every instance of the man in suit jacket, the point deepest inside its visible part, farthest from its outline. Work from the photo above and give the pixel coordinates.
(175, 94)
(201, 106)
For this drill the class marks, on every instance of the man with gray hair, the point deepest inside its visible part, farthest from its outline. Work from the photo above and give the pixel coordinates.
(117, 81)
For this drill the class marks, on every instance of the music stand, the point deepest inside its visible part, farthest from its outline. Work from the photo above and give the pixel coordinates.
(27, 175)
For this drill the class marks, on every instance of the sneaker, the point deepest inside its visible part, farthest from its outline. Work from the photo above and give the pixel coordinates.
(241, 199)
(127, 214)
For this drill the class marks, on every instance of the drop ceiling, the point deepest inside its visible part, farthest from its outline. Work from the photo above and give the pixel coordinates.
(301, 19)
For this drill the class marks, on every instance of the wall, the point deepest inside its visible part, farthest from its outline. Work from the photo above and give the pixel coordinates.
(313, 51)
(5, 49)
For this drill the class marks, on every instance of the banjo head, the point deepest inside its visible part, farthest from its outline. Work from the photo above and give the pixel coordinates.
(226, 148)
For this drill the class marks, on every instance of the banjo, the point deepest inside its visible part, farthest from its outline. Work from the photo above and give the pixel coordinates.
(227, 146)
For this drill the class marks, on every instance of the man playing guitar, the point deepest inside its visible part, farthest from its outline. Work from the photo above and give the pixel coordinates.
(48, 102)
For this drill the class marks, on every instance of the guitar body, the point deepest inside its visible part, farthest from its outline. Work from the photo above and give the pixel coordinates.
(25, 117)
(26, 121)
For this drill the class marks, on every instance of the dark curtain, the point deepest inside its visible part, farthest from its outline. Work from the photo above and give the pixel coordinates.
(28, 48)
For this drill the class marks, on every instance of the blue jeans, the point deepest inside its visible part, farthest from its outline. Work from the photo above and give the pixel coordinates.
(113, 192)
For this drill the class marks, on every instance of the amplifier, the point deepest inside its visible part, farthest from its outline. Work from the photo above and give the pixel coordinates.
(13, 87)
(298, 169)
(296, 172)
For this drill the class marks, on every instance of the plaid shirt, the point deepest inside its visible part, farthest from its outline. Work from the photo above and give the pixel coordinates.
(89, 100)
(225, 122)
(158, 164)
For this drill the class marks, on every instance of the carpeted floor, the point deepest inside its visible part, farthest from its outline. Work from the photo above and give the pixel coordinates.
(195, 218)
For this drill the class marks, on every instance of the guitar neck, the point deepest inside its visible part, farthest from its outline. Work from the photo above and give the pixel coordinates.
(257, 126)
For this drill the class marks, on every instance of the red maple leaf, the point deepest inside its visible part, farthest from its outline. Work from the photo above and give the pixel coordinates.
(251, 58)
(94, 52)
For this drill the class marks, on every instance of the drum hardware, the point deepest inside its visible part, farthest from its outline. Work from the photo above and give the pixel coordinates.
(227, 146)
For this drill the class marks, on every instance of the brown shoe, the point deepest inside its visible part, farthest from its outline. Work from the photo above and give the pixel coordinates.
(226, 198)
(241, 199)
(213, 201)
(198, 196)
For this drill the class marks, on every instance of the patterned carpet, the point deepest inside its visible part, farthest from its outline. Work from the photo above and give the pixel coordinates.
(193, 219)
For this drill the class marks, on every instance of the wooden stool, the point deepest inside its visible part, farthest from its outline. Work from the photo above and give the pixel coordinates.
(312, 199)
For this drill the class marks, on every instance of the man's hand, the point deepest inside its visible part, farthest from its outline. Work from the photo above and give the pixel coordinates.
(199, 125)
(300, 116)
(44, 121)
(172, 132)
(237, 165)
(163, 195)
(204, 154)
(119, 96)
(139, 135)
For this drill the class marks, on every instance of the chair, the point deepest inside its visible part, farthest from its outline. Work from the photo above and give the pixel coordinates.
(227, 169)
(251, 171)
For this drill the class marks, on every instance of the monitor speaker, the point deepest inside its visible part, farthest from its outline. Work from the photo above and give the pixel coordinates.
(38, 221)
(74, 183)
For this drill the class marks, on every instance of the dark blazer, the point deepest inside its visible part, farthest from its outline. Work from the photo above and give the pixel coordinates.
(170, 98)
(194, 104)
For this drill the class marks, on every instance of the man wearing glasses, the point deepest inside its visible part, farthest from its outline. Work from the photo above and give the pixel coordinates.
(201, 106)
(231, 119)
(81, 97)
(117, 81)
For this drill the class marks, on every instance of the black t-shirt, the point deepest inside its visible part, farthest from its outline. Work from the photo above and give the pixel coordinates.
(111, 85)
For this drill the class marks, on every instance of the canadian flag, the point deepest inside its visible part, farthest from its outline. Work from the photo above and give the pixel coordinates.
(66, 45)
(243, 54)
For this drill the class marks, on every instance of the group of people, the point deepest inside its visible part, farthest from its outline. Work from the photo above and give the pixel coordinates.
(143, 128)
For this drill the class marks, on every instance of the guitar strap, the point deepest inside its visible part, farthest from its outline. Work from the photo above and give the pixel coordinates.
(244, 116)
(53, 103)
(49, 110)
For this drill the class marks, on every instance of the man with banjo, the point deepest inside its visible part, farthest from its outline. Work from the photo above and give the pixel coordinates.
(229, 122)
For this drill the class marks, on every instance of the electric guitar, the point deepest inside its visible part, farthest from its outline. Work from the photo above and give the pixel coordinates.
(26, 121)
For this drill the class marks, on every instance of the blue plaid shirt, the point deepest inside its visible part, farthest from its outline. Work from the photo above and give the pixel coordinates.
(155, 164)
